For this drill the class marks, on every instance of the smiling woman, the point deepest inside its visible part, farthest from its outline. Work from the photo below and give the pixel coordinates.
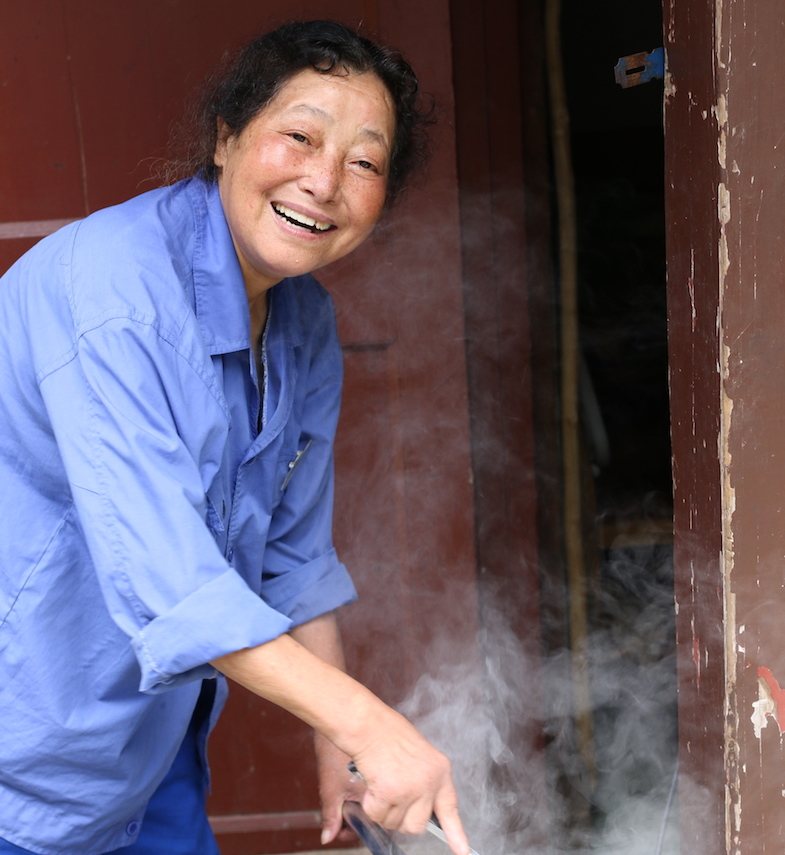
(169, 540)
(265, 65)
(305, 181)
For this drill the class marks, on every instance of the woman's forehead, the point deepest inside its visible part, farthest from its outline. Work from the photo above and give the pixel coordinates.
(358, 97)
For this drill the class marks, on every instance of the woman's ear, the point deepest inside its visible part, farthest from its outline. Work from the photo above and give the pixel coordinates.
(223, 132)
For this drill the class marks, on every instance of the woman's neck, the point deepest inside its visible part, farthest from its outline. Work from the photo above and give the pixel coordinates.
(258, 311)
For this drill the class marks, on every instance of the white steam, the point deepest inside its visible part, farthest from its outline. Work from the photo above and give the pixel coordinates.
(526, 784)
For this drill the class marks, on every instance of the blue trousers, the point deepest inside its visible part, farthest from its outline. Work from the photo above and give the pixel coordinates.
(175, 822)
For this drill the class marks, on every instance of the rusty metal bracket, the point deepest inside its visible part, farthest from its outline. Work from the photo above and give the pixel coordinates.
(640, 68)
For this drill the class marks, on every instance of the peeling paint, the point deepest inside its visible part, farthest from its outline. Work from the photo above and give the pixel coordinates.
(696, 658)
(721, 114)
(770, 703)
(691, 288)
(733, 780)
(733, 809)
(721, 111)
(723, 207)
(737, 815)
(718, 33)
(670, 85)
(723, 214)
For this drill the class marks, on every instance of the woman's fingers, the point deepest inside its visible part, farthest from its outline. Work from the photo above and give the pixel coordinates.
(407, 781)
(414, 818)
(385, 813)
(336, 785)
(446, 810)
(411, 816)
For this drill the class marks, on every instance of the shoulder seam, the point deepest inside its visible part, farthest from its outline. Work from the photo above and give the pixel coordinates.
(209, 382)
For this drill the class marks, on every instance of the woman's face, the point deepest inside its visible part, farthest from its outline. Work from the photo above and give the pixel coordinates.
(305, 181)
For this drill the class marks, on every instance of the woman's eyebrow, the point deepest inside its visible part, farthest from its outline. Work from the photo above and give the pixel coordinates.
(319, 113)
(375, 136)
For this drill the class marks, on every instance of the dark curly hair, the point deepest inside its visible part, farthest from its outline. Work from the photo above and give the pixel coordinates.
(259, 71)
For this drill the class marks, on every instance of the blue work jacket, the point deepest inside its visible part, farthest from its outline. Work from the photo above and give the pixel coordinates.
(147, 524)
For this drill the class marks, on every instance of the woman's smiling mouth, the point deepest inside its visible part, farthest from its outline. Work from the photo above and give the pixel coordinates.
(301, 220)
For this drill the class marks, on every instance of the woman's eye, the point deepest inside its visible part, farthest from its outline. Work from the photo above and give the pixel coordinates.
(366, 164)
(298, 137)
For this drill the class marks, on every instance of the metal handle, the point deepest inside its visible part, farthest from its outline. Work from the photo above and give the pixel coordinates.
(372, 835)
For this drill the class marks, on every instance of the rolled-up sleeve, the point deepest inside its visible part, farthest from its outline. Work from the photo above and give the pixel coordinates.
(139, 431)
(303, 576)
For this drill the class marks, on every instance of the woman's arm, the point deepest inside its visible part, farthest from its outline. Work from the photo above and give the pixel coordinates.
(406, 778)
(323, 638)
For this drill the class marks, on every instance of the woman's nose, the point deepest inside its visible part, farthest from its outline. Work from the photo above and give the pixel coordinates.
(323, 179)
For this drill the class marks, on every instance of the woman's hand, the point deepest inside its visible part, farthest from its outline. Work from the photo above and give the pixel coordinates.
(322, 637)
(336, 785)
(407, 780)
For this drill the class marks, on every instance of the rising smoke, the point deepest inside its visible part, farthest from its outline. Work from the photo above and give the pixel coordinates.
(526, 783)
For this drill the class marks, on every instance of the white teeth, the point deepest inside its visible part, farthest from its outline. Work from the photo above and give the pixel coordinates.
(301, 219)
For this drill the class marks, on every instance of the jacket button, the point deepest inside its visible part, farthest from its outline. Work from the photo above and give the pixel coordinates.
(230, 554)
(133, 827)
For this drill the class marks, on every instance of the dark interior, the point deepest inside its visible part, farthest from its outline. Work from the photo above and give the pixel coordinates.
(630, 751)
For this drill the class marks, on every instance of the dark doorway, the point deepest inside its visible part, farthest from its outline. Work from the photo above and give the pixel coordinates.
(629, 745)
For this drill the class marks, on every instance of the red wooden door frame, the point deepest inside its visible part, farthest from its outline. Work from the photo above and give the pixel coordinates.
(725, 192)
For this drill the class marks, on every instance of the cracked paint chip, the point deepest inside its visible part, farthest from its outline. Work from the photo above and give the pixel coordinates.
(770, 703)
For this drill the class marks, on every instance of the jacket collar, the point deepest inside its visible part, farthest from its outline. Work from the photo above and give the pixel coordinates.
(219, 292)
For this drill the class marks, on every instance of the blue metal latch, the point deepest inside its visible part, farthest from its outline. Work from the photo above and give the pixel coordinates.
(640, 68)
